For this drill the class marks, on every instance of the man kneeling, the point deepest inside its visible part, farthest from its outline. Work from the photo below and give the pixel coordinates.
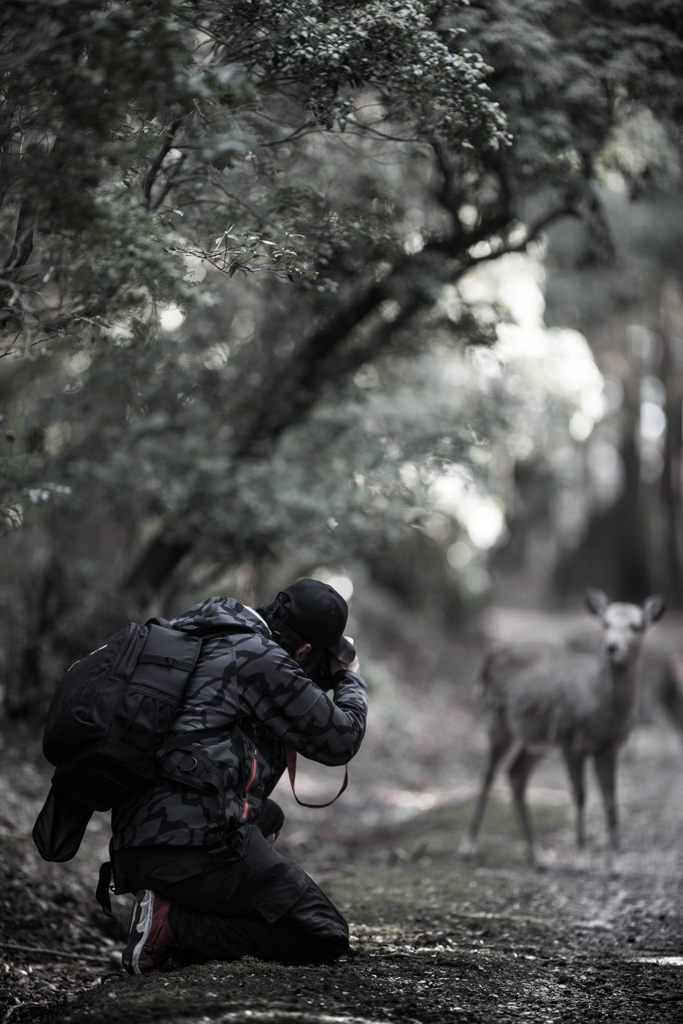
(196, 846)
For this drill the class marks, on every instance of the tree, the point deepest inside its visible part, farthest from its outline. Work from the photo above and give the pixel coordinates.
(120, 118)
(250, 428)
(630, 310)
(565, 74)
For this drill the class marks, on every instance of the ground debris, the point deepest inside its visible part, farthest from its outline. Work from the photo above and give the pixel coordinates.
(397, 971)
(434, 941)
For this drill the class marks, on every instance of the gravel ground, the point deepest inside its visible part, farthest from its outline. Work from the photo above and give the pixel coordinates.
(433, 939)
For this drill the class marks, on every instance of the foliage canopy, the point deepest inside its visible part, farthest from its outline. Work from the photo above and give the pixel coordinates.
(363, 158)
(120, 118)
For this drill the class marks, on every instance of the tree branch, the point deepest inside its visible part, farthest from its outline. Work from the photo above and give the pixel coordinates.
(315, 361)
(170, 181)
(156, 165)
(53, 952)
(296, 388)
(23, 241)
(531, 236)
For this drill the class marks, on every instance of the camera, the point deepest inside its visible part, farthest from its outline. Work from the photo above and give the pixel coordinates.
(317, 668)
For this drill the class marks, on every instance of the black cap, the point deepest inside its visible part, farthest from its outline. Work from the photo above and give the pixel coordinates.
(318, 614)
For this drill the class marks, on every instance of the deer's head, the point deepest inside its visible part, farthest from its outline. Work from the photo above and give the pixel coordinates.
(623, 625)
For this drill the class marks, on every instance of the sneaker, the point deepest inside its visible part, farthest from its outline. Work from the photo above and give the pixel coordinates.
(150, 939)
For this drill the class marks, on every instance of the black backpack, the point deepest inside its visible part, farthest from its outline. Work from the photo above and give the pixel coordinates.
(107, 723)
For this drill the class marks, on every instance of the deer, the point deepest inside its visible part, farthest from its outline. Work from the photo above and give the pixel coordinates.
(537, 696)
(672, 690)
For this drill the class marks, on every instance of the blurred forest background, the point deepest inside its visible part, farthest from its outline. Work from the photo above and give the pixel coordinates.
(388, 293)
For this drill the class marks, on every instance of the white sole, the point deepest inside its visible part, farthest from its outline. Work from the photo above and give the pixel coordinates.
(141, 922)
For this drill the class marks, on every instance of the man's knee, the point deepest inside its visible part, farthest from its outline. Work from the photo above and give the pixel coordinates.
(329, 948)
(314, 914)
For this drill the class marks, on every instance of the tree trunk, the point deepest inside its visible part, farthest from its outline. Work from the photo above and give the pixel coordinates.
(671, 475)
(613, 553)
(154, 567)
(633, 578)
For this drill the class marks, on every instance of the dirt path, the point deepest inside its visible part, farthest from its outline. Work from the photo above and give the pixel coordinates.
(433, 940)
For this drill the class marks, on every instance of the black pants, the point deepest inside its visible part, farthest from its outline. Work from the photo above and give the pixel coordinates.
(244, 900)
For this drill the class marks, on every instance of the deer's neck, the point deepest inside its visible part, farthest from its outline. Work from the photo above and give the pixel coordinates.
(622, 687)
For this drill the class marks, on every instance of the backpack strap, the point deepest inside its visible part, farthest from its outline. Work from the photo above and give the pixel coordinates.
(108, 872)
(182, 760)
(187, 739)
(290, 754)
(209, 632)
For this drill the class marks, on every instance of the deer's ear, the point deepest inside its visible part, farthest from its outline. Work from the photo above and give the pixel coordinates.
(596, 601)
(654, 607)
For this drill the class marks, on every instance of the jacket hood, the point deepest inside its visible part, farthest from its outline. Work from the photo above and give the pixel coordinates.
(217, 612)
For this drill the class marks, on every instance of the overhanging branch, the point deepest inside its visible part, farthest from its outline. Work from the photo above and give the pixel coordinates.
(156, 164)
(22, 246)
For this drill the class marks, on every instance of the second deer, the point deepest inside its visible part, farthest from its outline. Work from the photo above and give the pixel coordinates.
(537, 696)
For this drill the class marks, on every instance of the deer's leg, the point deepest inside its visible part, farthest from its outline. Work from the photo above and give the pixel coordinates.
(605, 769)
(519, 772)
(499, 744)
(576, 767)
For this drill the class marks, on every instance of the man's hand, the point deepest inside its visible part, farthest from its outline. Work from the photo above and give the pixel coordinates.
(337, 666)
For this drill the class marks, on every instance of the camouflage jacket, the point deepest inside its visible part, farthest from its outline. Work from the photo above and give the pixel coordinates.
(248, 698)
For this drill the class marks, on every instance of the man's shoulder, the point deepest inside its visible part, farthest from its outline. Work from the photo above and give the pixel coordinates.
(246, 652)
(253, 650)
(262, 666)
(221, 653)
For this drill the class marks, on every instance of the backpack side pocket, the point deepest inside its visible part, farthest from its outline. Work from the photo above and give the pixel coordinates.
(60, 827)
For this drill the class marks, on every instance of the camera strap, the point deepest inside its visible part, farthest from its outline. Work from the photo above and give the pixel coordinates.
(290, 753)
